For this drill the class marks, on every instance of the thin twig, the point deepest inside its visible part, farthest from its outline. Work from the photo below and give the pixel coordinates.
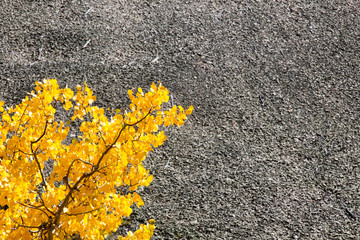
(21, 118)
(33, 207)
(35, 156)
(119, 134)
(43, 203)
(69, 168)
(25, 226)
(103, 138)
(76, 214)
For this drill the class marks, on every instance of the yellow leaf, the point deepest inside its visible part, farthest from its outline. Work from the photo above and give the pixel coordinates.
(189, 110)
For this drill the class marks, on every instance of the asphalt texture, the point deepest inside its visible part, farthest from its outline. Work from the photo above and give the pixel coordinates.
(271, 150)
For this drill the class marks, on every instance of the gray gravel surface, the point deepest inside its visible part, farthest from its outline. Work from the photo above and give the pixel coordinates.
(271, 150)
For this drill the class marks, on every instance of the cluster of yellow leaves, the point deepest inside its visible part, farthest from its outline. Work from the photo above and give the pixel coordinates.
(144, 232)
(107, 156)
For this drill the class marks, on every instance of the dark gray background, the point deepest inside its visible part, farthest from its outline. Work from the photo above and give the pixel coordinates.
(272, 148)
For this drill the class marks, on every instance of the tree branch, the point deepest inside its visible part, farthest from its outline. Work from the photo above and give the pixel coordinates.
(35, 156)
(21, 119)
(43, 203)
(25, 226)
(76, 214)
(65, 202)
(118, 136)
(33, 207)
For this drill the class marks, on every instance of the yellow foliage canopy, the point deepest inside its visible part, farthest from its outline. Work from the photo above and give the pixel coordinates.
(84, 193)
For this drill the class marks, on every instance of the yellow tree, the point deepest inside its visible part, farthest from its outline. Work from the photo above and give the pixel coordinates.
(82, 193)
